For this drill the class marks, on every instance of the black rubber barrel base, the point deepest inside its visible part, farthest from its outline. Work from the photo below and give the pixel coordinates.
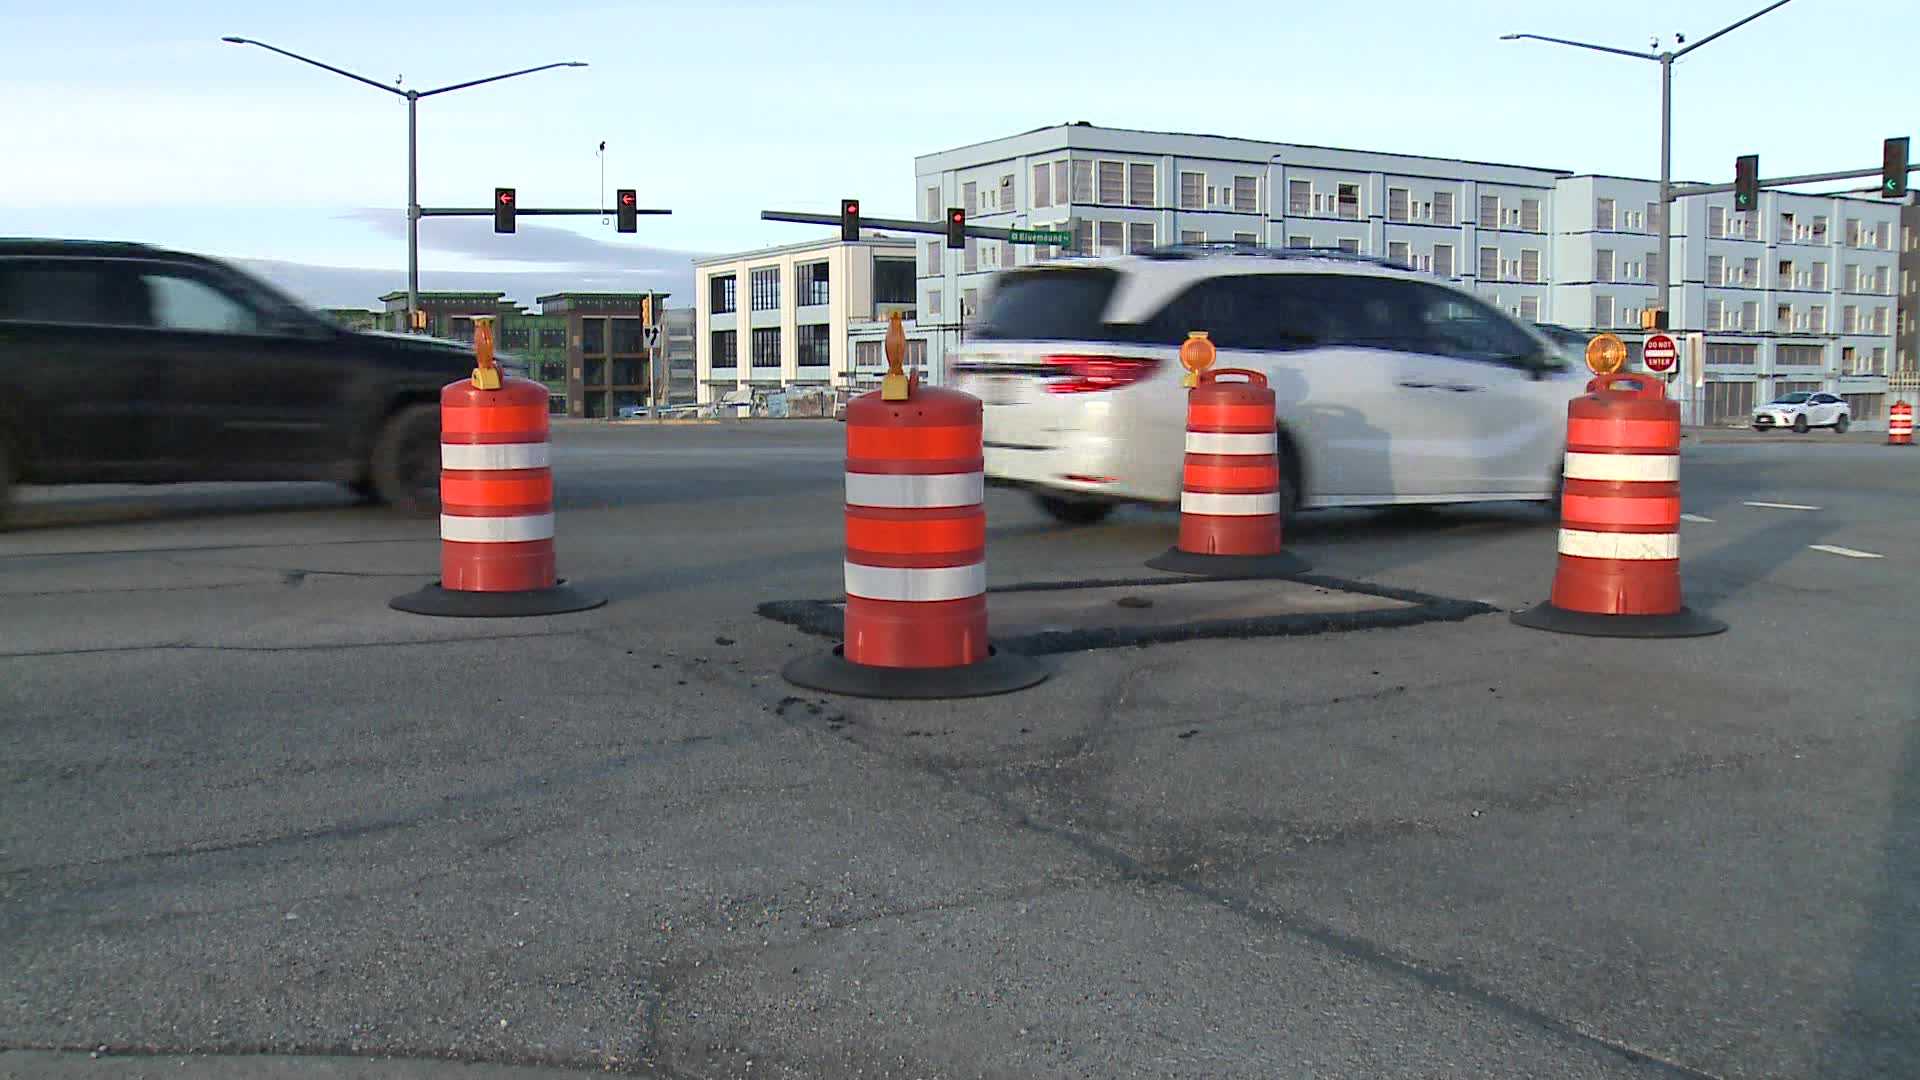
(458, 604)
(1285, 564)
(1682, 623)
(999, 673)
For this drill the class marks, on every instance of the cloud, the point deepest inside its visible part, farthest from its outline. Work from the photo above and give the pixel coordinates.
(331, 286)
(530, 243)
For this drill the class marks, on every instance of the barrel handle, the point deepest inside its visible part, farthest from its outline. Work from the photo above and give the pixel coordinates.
(1253, 377)
(1636, 385)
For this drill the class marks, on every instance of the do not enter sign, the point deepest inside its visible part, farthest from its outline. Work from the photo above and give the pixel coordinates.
(1660, 353)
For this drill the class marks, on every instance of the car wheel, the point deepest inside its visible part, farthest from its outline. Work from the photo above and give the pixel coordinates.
(405, 469)
(1800, 424)
(1074, 511)
(1841, 425)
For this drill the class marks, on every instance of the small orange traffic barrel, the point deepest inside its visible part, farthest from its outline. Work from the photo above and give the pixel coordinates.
(1900, 424)
(1230, 485)
(496, 500)
(916, 549)
(1619, 568)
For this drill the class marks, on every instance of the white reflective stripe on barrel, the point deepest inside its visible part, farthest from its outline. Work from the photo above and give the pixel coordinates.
(1202, 502)
(496, 530)
(915, 492)
(1605, 545)
(1642, 468)
(494, 456)
(1222, 442)
(916, 584)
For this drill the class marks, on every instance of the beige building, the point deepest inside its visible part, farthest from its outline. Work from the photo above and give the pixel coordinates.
(789, 316)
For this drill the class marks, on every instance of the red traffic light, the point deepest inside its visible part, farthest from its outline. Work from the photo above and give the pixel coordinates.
(626, 198)
(849, 220)
(503, 208)
(506, 198)
(628, 215)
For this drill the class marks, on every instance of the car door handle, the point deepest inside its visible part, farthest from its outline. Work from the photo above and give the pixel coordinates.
(1458, 388)
(1462, 388)
(1411, 385)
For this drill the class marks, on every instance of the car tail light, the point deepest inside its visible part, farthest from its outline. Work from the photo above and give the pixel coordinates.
(1078, 374)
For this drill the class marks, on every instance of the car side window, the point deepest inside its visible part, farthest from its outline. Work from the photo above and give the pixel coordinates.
(1451, 324)
(185, 303)
(75, 292)
(1232, 310)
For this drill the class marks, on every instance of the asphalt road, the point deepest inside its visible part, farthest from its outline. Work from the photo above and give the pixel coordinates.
(246, 809)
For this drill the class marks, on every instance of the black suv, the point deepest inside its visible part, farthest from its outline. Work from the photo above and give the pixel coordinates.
(123, 363)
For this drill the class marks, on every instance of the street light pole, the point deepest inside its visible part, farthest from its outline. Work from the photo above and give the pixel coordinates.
(413, 145)
(1666, 57)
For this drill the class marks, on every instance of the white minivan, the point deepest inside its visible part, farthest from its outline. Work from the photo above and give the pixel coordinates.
(1392, 386)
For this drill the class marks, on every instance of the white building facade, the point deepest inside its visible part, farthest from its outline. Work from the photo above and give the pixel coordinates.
(1799, 295)
(795, 316)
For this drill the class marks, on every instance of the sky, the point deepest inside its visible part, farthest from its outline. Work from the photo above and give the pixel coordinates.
(133, 120)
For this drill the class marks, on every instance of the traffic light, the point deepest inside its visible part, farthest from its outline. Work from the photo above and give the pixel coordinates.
(1746, 182)
(503, 207)
(1893, 168)
(849, 219)
(956, 227)
(626, 210)
(646, 310)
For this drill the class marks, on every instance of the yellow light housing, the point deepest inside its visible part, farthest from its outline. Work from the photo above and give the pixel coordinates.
(1606, 354)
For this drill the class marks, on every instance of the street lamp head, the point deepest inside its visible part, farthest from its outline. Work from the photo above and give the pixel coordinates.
(235, 40)
(576, 63)
(1509, 37)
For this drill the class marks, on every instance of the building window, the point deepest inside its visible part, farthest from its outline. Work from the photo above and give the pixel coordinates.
(1299, 196)
(1348, 244)
(970, 256)
(1246, 239)
(1817, 318)
(1192, 236)
(969, 303)
(1443, 259)
(1061, 184)
(934, 248)
(814, 343)
(766, 347)
(1347, 201)
(1246, 194)
(1443, 208)
(1396, 204)
(1820, 276)
(893, 281)
(934, 209)
(1111, 239)
(1879, 320)
(765, 283)
(1783, 317)
(1866, 406)
(1603, 214)
(555, 337)
(1083, 181)
(1489, 212)
(1530, 214)
(1716, 221)
(516, 337)
(1602, 312)
(811, 283)
(1140, 185)
(1042, 190)
(721, 294)
(1716, 270)
(1879, 365)
(1716, 315)
(1489, 264)
(933, 302)
(1801, 355)
(1006, 199)
(1602, 264)
(1082, 237)
(1139, 236)
(1113, 183)
(726, 345)
(1193, 187)
(1397, 251)
(1750, 315)
(1529, 264)
(970, 197)
(1849, 320)
(1719, 354)
(1530, 308)
(1292, 241)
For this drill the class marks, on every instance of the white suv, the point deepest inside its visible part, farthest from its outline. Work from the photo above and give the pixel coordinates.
(1392, 386)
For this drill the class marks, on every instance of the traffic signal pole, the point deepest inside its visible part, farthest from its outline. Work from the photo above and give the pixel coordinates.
(937, 228)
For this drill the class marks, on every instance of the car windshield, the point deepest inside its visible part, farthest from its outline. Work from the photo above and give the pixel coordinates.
(1797, 398)
(1050, 305)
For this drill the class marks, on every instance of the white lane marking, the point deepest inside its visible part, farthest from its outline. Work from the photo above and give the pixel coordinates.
(1696, 518)
(915, 584)
(1850, 553)
(1782, 506)
(1213, 505)
(914, 491)
(1599, 545)
(1637, 468)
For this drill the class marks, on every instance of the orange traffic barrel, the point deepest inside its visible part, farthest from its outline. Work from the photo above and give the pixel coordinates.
(915, 565)
(1900, 424)
(496, 501)
(1230, 487)
(1619, 566)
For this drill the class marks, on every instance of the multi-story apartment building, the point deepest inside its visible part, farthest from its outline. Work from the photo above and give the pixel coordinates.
(798, 315)
(1797, 295)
